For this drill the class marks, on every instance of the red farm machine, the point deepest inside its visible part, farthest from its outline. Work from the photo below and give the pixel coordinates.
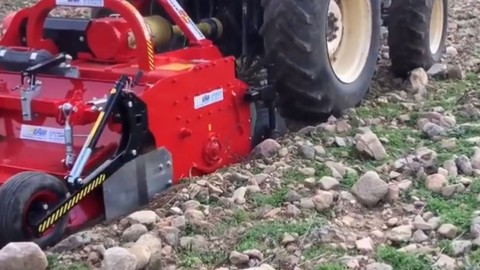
(99, 114)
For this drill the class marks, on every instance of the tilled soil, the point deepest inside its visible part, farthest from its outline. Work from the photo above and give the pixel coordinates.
(393, 184)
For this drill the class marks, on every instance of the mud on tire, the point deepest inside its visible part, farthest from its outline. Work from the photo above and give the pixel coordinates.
(417, 31)
(295, 43)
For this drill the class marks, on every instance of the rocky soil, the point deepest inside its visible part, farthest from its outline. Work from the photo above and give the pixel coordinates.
(393, 184)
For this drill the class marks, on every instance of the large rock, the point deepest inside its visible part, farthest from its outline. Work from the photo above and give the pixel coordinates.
(399, 234)
(72, 242)
(435, 182)
(323, 200)
(132, 233)
(368, 143)
(118, 258)
(370, 189)
(22, 256)
(145, 217)
(266, 149)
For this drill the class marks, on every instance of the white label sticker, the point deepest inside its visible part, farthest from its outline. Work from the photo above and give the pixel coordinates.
(43, 134)
(80, 3)
(208, 98)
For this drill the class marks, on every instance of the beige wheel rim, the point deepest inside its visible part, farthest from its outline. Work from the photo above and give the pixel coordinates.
(436, 25)
(349, 35)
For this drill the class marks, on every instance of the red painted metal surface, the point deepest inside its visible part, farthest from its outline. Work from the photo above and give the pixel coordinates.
(201, 140)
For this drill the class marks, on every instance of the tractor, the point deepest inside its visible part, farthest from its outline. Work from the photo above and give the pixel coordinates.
(101, 114)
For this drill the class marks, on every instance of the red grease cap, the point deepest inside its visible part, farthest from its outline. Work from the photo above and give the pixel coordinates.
(104, 39)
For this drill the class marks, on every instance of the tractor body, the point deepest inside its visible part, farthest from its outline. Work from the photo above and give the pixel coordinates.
(192, 114)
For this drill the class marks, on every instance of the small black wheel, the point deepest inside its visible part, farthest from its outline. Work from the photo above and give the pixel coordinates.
(417, 30)
(24, 198)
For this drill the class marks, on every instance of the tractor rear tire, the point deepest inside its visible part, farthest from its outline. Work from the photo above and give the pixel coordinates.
(26, 194)
(310, 86)
(417, 30)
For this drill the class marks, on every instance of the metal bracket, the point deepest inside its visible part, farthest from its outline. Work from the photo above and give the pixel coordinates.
(27, 95)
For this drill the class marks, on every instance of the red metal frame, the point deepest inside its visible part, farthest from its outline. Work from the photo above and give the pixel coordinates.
(201, 140)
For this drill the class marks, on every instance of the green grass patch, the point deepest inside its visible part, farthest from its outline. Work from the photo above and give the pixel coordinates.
(402, 260)
(292, 176)
(275, 198)
(397, 144)
(457, 210)
(316, 251)
(264, 233)
(474, 259)
(330, 266)
(201, 259)
(55, 264)
(349, 180)
(389, 111)
(445, 246)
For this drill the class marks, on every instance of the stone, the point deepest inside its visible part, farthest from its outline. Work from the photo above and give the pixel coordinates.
(194, 215)
(145, 217)
(292, 211)
(266, 149)
(72, 242)
(307, 203)
(421, 224)
(368, 143)
(464, 165)
(370, 189)
(328, 183)
(239, 195)
(308, 171)
(116, 258)
(254, 254)
(449, 190)
(448, 231)
(22, 256)
(435, 182)
(132, 233)
(445, 262)
(142, 255)
(460, 247)
(433, 131)
(475, 227)
(306, 151)
(378, 266)
(456, 73)
(392, 221)
(393, 193)
(179, 222)
(418, 79)
(419, 236)
(435, 222)
(364, 245)
(151, 241)
(287, 239)
(323, 200)
(451, 51)
(400, 233)
(451, 167)
(292, 196)
(475, 159)
(237, 258)
(310, 182)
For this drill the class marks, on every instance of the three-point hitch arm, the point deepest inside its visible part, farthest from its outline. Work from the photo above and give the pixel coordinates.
(132, 112)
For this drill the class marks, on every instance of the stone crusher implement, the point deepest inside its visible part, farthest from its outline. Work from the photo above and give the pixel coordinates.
(95, 122)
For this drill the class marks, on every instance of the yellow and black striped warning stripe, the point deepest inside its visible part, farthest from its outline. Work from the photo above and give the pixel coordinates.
(151, 55)
(71, 202)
